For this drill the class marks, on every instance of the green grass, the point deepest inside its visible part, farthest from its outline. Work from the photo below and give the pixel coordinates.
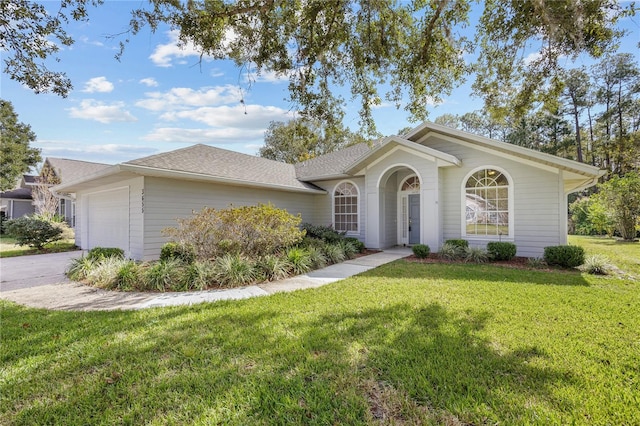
(406, 342)
(9, 247)
(624, 255)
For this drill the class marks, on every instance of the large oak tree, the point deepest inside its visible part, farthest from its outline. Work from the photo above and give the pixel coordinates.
(409, 53)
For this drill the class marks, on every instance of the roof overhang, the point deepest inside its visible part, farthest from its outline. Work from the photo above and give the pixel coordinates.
(576, 176)
(126, 171)
(392, 144)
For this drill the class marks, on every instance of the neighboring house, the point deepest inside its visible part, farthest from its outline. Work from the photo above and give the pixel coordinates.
(66, 170)
(427, 186)
(18, 202)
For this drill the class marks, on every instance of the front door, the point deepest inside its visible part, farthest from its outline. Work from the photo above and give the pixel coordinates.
(414, 219)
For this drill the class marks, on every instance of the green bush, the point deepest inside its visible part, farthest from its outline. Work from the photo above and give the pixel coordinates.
(458, 242)
(181, 252)
(318, 259)
(356, 243)
(564, 256)
(251, 231)
(421, 251)
(501, 250)
(98, 253)
(32, 232)
(199, 275)
(348, 249)
(324, 233)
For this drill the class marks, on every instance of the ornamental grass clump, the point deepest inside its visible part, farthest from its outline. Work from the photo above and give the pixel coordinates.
(231, 270)
(475, 255)
(105, 272)
(163, 275)
(452, 251)
(334, 253)
(596, 264)
(80, 267)
(299, 260)
(272, 267)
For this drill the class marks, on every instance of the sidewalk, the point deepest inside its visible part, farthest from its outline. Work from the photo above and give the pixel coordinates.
(78, 297)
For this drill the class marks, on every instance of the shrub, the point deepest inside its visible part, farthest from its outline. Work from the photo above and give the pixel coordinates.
(475, 255)
(421, 251)
(128, 276)
(564, 256)
(80, 267)
(596, 264)
(198, 275)
(348, 249)
(451, 251)
(181, 252)
(233, 270)
(32, 232)
(324, 233)
(299, 260)
(536, 262)
(333, 252)
(105, 272)
(318, 259)
(163, 275)
(458, 242)
(98, 253)
(356, 243)
(273, 267)
(499, 250)
(251, 231)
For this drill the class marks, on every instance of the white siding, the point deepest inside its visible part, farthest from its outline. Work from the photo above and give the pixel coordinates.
(537, 210)
(134, 186)
(165, 200)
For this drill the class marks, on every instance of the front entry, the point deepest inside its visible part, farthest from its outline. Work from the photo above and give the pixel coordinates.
(414, 219)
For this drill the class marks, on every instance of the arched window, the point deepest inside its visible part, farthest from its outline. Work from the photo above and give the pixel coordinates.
(345, 207)
(487, 204)
(411, 184)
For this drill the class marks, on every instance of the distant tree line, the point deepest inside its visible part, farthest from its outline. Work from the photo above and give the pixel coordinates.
(591, 115)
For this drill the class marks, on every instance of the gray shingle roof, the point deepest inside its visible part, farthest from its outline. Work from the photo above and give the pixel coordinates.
(217, 162)
(333, 164)
(72, 170)
(18, 194)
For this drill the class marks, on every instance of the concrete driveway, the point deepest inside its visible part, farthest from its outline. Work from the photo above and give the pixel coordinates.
(34, 271)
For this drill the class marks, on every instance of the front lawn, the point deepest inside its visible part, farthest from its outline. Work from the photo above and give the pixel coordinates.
(9, 247)
(625, 255)
(404, 343)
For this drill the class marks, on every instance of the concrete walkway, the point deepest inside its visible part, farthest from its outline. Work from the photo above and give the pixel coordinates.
(79, 297)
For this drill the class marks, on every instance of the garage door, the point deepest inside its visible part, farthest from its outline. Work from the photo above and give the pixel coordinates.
(108, 219)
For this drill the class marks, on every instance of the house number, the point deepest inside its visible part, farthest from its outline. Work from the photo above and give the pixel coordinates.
(142, 200)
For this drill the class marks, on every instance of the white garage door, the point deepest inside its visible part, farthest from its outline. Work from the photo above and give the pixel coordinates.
(108, 219)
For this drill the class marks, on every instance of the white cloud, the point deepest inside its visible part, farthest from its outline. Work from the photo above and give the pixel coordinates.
(105, 153)
(90, 109)
(217, 136)
(164, 54)
(246, 117)
(184, 97)
(98, 84)
(149, 82)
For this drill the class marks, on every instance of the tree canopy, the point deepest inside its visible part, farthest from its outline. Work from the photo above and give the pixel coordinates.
(301, 139)
(17, 156)
(416, 49)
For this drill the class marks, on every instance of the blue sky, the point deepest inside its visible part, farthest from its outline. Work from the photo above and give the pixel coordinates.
(159, 98)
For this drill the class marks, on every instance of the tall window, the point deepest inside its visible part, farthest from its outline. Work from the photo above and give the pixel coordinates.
(345, 207)
(487, 203)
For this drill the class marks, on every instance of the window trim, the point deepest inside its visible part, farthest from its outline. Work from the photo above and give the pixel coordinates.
(333, 207)
(510, 205)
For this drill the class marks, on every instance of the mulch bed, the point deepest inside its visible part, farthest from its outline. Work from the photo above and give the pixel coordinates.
(516, 262)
